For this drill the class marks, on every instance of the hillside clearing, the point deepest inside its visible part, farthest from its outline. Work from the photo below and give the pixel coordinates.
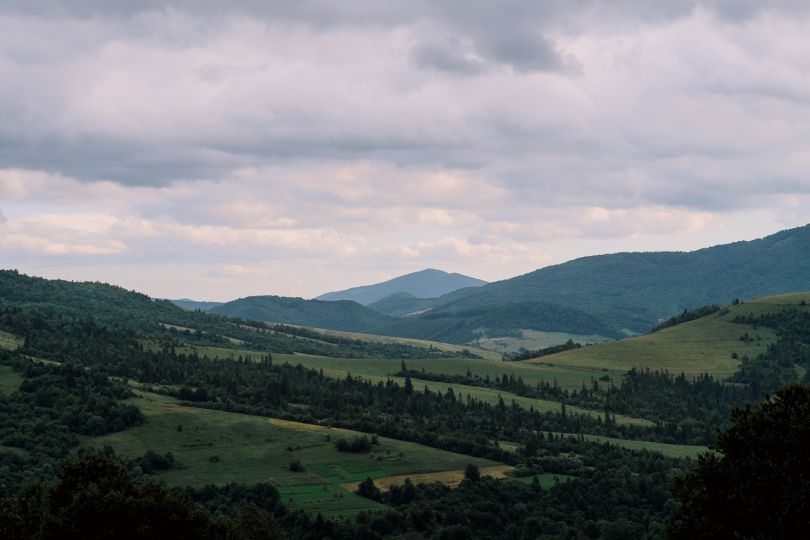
(10, 342)
(701, 346)
(217, 447)
(450, 478)
(10, 380)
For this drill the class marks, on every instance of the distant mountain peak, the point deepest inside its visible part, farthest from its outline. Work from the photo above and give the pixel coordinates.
(427, 283)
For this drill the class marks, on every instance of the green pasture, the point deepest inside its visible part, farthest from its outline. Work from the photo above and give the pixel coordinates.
(701, 346)
(546, 480)
(10, 380)
(438, 345)
(337, 368)
(217, 447)
(379, 370)
(9, 341)
(532, 340)
(669, 450)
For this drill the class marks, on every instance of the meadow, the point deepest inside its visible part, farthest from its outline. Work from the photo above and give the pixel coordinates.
(706, 345)
(532, 340)
(217, 447)
(438, 345)
(381, 370)
(10, 380)
(9, 341)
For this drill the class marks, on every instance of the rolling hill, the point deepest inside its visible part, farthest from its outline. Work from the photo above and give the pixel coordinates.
(159, 319)
(462, 326)
(193, 305)
(337, 315)
(712, 344)
(428, 283)
(638, 290)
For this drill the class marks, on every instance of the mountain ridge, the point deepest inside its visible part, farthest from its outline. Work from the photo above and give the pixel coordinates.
(636, 290)
(427, 283)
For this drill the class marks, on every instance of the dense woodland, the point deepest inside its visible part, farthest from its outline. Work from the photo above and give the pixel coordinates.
(685, 411)
(75, 371)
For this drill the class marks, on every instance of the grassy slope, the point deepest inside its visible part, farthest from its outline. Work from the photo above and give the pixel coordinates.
(671, 450)
(254, 449)
(571, 378)
(9, 341)
(379, 369)
(532, 340)
(339, 315)
(10, 380)
(441, 346)
(701, 346)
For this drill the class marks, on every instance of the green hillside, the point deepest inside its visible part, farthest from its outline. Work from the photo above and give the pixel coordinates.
(713, 344)
(401, 304)
(638, 290)
(452, 326)
(338, 315)
(162, 319)
(217, 447)
(468, 325)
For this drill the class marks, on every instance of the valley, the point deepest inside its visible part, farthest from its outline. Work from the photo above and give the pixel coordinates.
(342, 425)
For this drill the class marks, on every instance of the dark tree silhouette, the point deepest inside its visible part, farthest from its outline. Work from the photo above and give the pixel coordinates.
(757, 485)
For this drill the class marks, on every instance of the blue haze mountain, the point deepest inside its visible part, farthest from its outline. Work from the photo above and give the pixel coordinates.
(428, 283)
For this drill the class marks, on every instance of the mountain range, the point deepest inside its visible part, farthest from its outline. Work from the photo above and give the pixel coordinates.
(428, 283)
(605, 295)
(609, 295)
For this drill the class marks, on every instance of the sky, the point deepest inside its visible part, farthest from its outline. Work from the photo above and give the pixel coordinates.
(214, 150)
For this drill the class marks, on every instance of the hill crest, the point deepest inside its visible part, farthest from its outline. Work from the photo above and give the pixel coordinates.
(427, 283)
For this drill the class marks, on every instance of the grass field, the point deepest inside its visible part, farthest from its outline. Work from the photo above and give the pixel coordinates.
(338, 367)
(10, 380)
(217, 447)
(444, 347)
(670, 450)
(9, 341)
(449, 478)
(701, 346)
(379, 370)
(546, 480)
(533, 340)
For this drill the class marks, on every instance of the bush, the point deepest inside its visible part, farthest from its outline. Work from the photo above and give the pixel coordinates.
(358, 445)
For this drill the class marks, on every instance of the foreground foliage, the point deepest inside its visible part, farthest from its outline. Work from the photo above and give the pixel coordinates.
(756, 486)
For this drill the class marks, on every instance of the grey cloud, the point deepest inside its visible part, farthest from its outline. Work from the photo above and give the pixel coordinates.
(524, 51)
(448, 55)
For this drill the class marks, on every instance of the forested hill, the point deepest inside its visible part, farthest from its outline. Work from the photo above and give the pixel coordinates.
(428, 283)
(187, 303)
(340, 315)
(162, 319)
(638, 290)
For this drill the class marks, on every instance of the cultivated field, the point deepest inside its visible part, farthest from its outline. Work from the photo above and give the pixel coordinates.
(449, 478)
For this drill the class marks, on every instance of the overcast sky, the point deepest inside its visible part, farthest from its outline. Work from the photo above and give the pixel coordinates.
(191, 149)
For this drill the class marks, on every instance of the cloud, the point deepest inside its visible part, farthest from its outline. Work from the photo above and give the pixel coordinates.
(449, 55)
(524, 51)
(317, 139)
